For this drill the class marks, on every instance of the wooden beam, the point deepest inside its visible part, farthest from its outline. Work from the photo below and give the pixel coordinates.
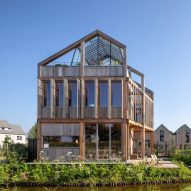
(96, 97)
(39, 141)
(82, 141)
(109, 99)
(83, 59)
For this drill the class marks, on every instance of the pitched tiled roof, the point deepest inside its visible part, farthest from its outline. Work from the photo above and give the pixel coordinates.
(7, 128)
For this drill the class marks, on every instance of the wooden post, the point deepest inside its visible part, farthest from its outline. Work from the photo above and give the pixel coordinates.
(78, 99)
(66, 95)
(52, 99)
(39, 141)
(82, 141)
(40, 98)
(83, 59)
(109, 99)
(96, 97)
(125, 141)
(125, 97)
(131, 140)
(143, 117)
(82, 98)
(125, 63)
(152, 142)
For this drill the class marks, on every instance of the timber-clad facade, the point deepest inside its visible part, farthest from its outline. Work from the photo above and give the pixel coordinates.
(90, 105)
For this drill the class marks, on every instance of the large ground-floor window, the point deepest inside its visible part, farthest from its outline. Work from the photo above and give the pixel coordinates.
(61, 141)
(103, 141)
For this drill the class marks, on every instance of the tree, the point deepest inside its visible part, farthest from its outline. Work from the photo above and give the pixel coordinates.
(32, 131)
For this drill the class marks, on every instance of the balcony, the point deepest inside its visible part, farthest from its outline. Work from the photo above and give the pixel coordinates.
(59, 71)
(103, 70)
(74, 71)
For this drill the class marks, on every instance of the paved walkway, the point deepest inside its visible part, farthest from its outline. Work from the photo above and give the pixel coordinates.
(148, 161)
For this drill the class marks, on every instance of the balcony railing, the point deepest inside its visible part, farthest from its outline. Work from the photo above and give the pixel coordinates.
(103, 112)
(65, 71)
(135, 110)
(89, 112)
(116, 112)
(103, 71)
(59, 71)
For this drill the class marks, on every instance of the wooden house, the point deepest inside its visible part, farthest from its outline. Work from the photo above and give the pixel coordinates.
(89, 103)
(183, 139)
(164, 140)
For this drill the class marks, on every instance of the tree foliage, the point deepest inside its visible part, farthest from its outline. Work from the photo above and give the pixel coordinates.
(32, 131)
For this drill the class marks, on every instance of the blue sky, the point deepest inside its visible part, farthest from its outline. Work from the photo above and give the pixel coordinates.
(157, 34)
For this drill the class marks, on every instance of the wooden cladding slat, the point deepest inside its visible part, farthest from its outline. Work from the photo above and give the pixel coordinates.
(115, 112)
(66, 71)
(60, 71)
(89, 112)
(103, 71)
(102, 112)
(60, 129)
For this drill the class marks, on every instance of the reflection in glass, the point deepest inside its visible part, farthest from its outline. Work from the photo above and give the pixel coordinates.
(103, 94)
(61, 141)
(103, 133)
(116, 141)
(47, 94)
(59, 94)
(73, 94)
(116, 94)
(106, 145)
(90, 94)
(90, 141)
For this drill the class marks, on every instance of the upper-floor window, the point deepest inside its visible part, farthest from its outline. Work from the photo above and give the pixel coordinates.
(187, 137)
(116, 94)
(162, 135)
(59, 94)
(103, 94)
(47, 94)
(90, 94)
(72, 94)
(19, 137)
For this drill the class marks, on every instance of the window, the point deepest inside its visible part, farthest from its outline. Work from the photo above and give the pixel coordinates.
(162, 135)
(59, 94)
(61, 141)
(73, 94)
(103, 141)
(116, 94)
(19, 138)
(90, 94)
(103, 94)
(187, 137)
(47, 94)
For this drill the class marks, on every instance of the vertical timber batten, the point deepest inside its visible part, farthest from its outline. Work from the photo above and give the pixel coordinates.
(109, 99)
(143, 118)
(96, 98)
(82, 141)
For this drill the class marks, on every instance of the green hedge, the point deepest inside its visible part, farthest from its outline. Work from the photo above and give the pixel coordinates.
(88, 174)
(182, 156)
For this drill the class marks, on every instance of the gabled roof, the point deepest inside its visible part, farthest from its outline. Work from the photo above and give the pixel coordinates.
(6, 128)
(162, 126)
(78, 43)
(181, 127)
